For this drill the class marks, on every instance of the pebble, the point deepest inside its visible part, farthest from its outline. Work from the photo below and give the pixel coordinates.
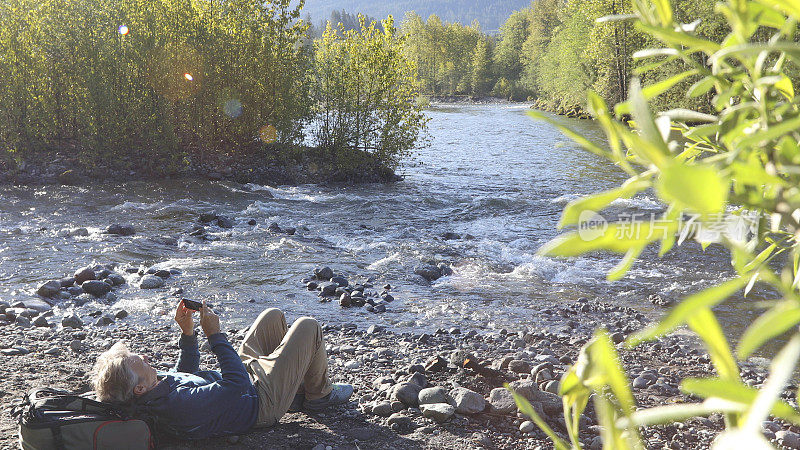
(14, 351)
(104, 320)
(440, 412)
(502, 401)
(431, 395)
(383, 409)
(407, 393)
(75, 345)
(435, 364)
(552, 387)
(362, 433)
(340, 280)
(75, 291)
(527, 426)
(640, 382)
(519, 366)
(467, 401)
(400, 421)
(418, 379)
(41, 321)
(352, 365)
(788, 439)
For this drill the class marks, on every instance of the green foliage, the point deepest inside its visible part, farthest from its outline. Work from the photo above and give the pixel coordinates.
(158, 85)
(365, 91)
(509, 50)
(183, 79)
(743, 157)
(445, 55)
(482, 76)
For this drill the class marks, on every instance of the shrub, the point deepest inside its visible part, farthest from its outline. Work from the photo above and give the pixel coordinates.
(744, 157)
(148, 82)
(365, 93)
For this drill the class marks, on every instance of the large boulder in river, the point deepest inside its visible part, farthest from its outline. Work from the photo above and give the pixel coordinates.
(328, 288)
(225, 222)
(428, 271)
(121, 230)
(116, 279)
(49, 289)
(340, 280)
(96, 287)
(84, 274)
(323, 273)
(208, 217)
(151, 282)
(36, 304)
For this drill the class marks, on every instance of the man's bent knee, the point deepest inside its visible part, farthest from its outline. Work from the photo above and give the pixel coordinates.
(306, 324)
(270, 314)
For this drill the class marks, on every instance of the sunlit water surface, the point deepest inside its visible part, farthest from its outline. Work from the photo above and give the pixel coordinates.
(490, 172)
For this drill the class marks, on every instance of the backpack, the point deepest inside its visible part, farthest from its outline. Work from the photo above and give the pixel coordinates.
(56, 419)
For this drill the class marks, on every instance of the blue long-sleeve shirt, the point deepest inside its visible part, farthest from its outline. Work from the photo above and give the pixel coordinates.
(195, 404)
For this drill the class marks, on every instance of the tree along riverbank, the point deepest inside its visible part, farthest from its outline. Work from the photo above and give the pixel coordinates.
(574, 112)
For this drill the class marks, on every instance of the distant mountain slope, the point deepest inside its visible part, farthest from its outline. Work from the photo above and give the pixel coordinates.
(491, 14)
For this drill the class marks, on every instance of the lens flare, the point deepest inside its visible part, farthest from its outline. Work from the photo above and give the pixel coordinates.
(268, 134)
(123, 30)
(175, 71)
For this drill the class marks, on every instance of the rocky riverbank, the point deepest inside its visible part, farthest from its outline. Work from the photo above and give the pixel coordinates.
(441, 389)
(571, 111)
(293, 166)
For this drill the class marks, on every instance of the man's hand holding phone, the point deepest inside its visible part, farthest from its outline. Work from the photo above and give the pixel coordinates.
(208, 320)
(183, 316)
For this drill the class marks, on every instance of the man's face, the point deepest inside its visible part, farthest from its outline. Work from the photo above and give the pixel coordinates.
(146, 374)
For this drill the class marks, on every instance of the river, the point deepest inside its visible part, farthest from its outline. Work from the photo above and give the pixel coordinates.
(490, 171)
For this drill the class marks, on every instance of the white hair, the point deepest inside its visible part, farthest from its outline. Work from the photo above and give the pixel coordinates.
(113, 378)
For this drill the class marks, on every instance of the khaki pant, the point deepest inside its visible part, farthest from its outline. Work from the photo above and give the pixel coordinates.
(281, 360)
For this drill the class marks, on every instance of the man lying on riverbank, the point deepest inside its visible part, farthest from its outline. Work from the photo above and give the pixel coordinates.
(288, 368)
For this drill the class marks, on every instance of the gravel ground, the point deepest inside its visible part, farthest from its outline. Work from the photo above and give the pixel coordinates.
(382, 363)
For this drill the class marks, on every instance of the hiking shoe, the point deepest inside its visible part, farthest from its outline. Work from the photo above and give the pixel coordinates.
(297, 403)
(340, 394)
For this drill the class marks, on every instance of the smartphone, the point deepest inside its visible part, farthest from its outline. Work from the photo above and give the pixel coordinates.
(191, 304)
